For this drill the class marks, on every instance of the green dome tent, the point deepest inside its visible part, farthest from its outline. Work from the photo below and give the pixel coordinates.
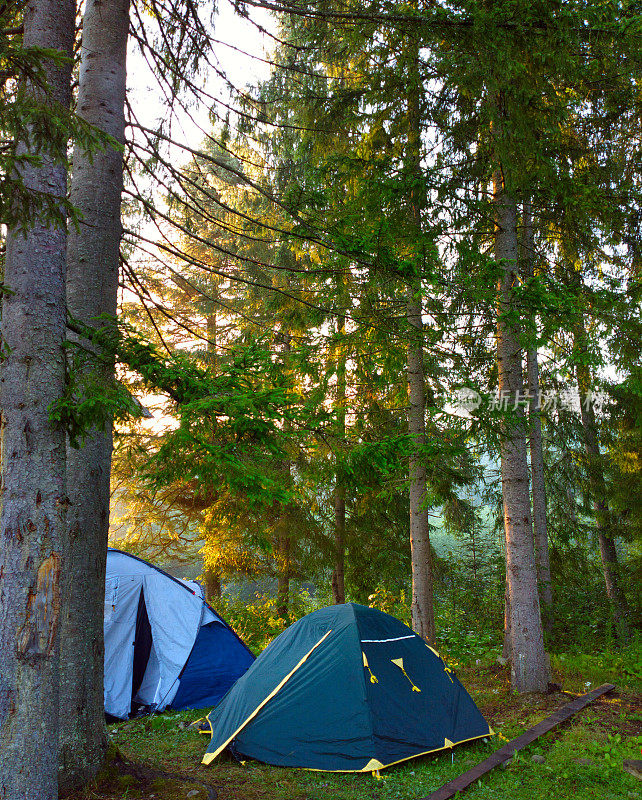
(347, 689)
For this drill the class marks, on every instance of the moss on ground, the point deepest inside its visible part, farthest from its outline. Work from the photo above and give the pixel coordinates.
(582, 759)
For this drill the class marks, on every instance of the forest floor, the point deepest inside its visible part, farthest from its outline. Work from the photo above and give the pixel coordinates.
(157, 758)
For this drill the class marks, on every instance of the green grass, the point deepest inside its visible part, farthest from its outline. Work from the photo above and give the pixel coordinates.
(583, 758)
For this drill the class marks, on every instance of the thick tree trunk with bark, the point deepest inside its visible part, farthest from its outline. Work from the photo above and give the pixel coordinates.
(338, 574)
(33, 495)
(597, 484)
(538, 486)
(529, 668)
(92, 287)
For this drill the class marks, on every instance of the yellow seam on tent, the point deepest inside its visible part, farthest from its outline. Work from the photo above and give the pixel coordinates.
(392, 763)
(209, 757)
(447, 669)
(407, 758)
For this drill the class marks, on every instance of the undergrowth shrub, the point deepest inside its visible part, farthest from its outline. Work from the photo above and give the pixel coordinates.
(397, 605)
(469, 621)
(462, 636)
(610, 665)
(258, 622)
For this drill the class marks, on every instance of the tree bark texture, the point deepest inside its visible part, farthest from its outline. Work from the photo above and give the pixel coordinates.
(92, 290)
(33, 494)
(422, 609)
(213, 590)
(538, 486)
(423, 621)
(507, 638)
(529, 669)
(597, 485)
(338, 574)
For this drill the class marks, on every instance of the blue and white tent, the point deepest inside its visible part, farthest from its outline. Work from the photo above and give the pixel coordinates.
(164, 646)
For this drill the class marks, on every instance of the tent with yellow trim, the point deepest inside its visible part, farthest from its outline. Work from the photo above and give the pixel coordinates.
(347, 689)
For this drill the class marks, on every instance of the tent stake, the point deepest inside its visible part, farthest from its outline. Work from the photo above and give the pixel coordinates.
(508, 750)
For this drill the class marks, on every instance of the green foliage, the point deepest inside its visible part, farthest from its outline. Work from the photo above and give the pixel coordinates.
(623, 665)
(302, 231)
(258, 622)
(623, 436)
(90, 402)
(458, 641)
(222, 417)
(33, 127)
(390, 603)
(459, 645)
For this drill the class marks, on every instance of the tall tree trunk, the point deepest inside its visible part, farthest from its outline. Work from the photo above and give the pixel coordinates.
(507, 636)
(338, 574)
(422, 609)
(529, 668)
(283, 537)
(92, 287)
(283, 576)
(212, 334)
(597, 484)
(33, 495)
(213, 589)
(423, 621)
(538, 486)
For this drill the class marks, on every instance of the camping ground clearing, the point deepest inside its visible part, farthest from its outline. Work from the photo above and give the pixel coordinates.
(582, 759)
